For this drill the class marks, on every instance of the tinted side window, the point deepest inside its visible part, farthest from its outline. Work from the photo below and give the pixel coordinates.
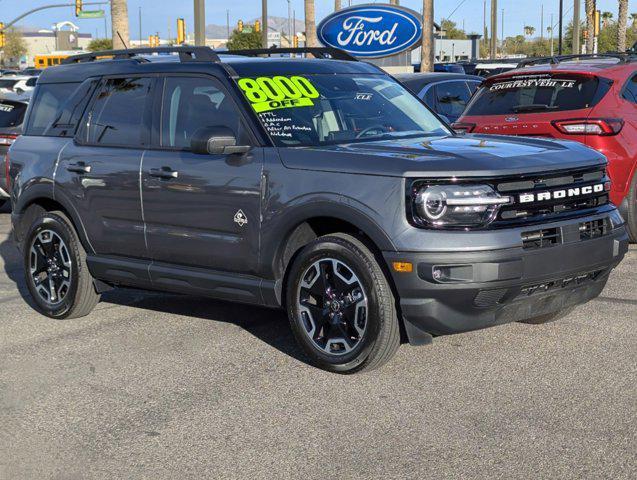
(473, 86)
(630, 91)
(116, 116)
(452, 97)
(190, 103)
(11, 113)
(47, 100)
(32, 81)
(430, 97)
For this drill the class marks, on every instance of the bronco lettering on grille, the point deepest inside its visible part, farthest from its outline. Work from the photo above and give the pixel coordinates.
(563, 193)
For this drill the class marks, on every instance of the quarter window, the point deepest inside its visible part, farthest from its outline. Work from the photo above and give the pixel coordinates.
(630, 92)
(47, 102)
(116, 117)
(451, 98)
(191, 103)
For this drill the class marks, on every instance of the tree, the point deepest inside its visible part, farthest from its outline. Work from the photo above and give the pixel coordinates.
(633, 17)
(337, 5)
(98, 44)
(606, 17)
(529, 30)
(244, 40)
(310, 24)
(452, 31)
(427, 45)
(14, 45)
(622, 20)
(119, 24)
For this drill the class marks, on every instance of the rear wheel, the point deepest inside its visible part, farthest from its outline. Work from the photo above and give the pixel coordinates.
(549, 317)
(340, 306)
(632, 210)
(55, 268)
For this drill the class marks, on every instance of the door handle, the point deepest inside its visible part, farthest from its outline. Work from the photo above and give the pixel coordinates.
(164, 172)
(79, 167)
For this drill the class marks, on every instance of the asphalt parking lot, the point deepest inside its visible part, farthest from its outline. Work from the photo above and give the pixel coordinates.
(164, 386)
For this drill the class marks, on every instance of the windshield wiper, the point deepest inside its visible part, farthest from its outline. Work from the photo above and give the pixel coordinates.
(533, 107)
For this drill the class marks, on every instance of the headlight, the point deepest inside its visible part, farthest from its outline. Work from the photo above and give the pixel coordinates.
(457, 205)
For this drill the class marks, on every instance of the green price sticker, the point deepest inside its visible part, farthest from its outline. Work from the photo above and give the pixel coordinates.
(272, 93)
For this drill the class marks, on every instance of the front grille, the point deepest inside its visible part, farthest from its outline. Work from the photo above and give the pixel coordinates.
(566, 192)
(545, 237)
(594, 228)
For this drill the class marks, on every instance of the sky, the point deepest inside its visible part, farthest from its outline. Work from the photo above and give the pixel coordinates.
(160, 15)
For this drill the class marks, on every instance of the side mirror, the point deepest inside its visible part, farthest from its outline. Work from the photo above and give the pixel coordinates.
(216, 141)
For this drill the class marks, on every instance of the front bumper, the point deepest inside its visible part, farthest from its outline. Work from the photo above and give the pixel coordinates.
(478, 289)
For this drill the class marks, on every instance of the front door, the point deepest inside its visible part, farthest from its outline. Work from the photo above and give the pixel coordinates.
(201, 210)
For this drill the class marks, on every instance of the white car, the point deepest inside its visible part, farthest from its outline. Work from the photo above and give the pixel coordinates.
(17, 84)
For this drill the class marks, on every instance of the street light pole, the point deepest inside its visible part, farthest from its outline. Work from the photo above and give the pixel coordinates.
(559, 40)
(576, 27)
(200, 22)
(494, 29)
(264, 23)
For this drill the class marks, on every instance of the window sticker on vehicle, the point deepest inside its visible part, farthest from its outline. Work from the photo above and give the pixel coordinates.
(6, 108)
(363, 96)
(281, 126)
(272, 93)
(533, 82)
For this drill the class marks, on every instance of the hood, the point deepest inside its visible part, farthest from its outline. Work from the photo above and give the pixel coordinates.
(445, 156)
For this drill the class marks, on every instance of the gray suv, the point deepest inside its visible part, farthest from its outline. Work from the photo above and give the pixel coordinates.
(318, 185)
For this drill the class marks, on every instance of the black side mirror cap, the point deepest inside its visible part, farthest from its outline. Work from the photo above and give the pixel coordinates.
(218, 140)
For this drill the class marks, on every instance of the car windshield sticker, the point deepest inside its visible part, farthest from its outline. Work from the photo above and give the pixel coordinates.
(281, 126)
(6, 108)
(272, 93)
(363, 96)
(533, 82)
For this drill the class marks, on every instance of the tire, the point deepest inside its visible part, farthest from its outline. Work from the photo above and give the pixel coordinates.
(631, 211)
(549, 317)
(53, 232)
(357, 327)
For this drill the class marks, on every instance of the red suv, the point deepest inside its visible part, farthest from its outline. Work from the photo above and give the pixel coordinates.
(590, 99)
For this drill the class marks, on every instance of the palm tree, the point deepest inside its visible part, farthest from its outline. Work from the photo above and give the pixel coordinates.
(310, 24)
(590, 26)
(119, 24)
(606, 18)
(337, 5)
(622, 20)
(633, 17)
(529, 30)
(427, 45)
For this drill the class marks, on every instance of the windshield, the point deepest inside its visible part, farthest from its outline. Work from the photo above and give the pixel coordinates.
(7, 83)
(328, 109)
(11, 113)
(535, 93)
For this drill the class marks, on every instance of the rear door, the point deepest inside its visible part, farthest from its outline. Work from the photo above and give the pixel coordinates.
(200, 210)
(100, 170)
(528, 104)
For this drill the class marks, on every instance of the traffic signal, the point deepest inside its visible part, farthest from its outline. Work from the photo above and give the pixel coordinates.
(597, 22)
(181, 31)
(2, 35)
(78, 7)
(240, 26)
(257, 26)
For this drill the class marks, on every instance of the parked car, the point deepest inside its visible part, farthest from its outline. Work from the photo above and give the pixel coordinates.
(322, 186)
(487, 68)
(31, 71)
(447, 94)
(589, 99)
(17, 84)
(12, 110)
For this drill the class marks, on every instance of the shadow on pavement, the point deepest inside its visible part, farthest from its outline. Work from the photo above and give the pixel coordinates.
(270, 326)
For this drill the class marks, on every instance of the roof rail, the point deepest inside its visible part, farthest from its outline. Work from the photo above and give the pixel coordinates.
(318, 52)
(186, 54)
(556, 59)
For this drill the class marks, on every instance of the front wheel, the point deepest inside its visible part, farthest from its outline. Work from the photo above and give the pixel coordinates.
(632, 210)
(341, 307)
(55, 268)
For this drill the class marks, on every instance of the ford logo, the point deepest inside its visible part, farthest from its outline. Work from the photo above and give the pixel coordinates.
(371, 31)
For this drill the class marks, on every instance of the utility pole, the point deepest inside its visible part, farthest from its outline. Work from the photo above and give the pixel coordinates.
(576, 27)
(551, 27)
(559, 40)
(427, 45)
(502, 35)
(200, 22)
(484, 24)
(542, 23)
(140, 26)
(228, 23)
(264, 23)
(289, 24)
(494, 29)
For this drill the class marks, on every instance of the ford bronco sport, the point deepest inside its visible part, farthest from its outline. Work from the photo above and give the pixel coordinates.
(319, 185)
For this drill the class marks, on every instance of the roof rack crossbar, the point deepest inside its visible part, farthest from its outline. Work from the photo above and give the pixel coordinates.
(186, 54)
(318, 52)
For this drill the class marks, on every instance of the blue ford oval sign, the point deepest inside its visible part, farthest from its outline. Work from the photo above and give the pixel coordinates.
(371, 31)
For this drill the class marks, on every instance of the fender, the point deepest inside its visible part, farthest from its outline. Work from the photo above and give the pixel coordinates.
(304, 209)
(43, 192)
